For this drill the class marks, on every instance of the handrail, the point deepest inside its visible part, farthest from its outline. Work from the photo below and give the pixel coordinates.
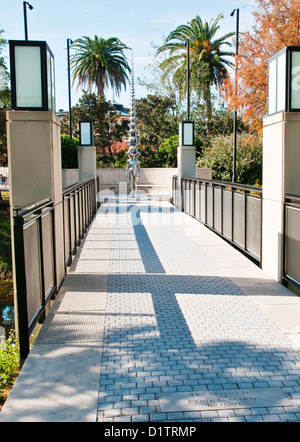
(291, 243)
(294, 198)
(35, 245)
(24, 211)
(216, 207)
(225, 183)
(78, 185)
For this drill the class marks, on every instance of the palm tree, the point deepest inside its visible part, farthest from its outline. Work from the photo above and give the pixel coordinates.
(207, 57)
(100, 62)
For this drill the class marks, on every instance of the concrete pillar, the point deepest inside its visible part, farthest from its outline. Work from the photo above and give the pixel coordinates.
(186, 163)
(281, 159)
(87, 164)
(34, 153)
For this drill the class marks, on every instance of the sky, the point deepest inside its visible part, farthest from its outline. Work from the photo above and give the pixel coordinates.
(139, 24)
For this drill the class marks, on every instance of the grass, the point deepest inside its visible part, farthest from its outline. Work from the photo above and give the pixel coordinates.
(5, 239)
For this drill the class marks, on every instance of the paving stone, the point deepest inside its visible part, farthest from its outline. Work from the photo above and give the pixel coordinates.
(176, 322)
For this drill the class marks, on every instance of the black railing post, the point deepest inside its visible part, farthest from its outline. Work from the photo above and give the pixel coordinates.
(205, 202)
(222, 210)
(232, 214)
(182, 193)
(21, 310)
(42, 267)
(194, 199)
(247, 193)
(213, 205)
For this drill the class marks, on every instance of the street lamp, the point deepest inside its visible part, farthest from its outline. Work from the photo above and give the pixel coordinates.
(69, 42)
(25, 4)
(187, 43)
(235, 112)
(187, 128)
(32, 76)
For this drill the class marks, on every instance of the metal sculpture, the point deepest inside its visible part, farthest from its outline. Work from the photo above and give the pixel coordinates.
(133, 170)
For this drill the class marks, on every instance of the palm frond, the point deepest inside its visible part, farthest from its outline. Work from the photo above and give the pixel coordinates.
(101, 63)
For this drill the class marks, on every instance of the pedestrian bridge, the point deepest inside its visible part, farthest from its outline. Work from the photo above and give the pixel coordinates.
(156, 308)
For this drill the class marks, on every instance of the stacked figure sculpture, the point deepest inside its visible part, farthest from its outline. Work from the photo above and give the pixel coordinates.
(133, 170)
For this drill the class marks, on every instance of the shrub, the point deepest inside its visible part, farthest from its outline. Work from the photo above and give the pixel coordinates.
(167, 151)
(219, 157)
(9, 361)
(69, 152)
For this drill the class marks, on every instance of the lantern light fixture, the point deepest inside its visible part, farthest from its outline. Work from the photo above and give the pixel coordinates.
(86, 133)
(32, 76)
(284, 81)
(186, 133)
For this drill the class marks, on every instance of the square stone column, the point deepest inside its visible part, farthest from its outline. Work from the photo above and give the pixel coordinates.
(281, 159)
(186, 163)
(87, 164)
(34, 155)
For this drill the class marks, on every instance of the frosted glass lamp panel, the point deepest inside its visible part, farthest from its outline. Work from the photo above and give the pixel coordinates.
(28, 76)
(86, 136)
(272, 87)
(50, 82)
(188, 134)
(295, 74)
(281, 83)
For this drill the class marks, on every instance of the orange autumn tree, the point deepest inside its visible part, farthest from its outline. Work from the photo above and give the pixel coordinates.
(277, 24)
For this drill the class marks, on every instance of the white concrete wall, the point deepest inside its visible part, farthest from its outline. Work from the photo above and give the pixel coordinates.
(150, 176)
(69, 177)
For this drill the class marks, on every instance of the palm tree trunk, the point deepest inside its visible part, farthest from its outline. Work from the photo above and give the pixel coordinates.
(207, 107)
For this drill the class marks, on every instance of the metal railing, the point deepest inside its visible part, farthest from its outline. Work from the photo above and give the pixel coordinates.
(35, 254)
(233, 211)
(79, 205)
(291, 268)
(35, 270)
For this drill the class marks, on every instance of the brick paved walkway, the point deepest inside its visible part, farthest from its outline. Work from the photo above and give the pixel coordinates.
(176, 323)
(156, 304)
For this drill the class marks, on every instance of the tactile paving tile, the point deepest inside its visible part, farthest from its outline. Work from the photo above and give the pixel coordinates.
(83, 301)
(80, 328)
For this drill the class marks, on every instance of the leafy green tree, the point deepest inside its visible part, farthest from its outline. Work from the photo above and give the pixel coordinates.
(208, 60)
(4, 102)
(221, 123)
(155, 119)
(3, 138)
(167, 151)
(108, 126)
(100, 62)
(158, 82)
(69, 152)
(4, 75)
(218, 157)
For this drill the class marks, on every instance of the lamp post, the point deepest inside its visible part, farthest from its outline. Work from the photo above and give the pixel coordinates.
(25, 4)
(69, 41)
(235, 112)
(187, 43)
